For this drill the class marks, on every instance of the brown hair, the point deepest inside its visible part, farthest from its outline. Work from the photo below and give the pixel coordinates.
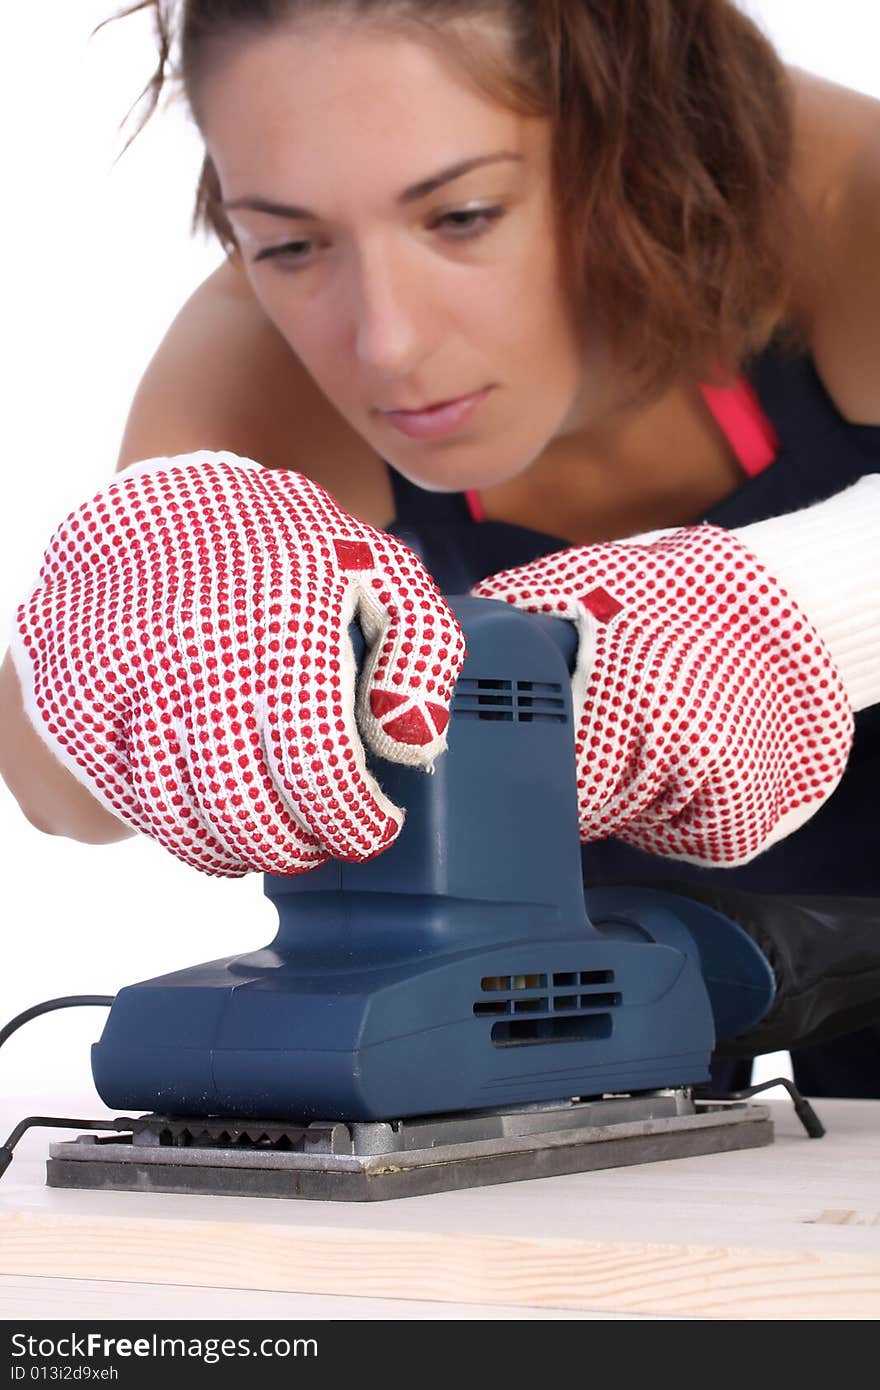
(672, 156)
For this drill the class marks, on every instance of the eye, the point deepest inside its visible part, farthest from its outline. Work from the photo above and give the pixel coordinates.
(464, 223)
(290, 256)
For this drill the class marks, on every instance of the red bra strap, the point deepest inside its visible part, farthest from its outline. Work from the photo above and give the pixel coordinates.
(475, 504)
(748, 430)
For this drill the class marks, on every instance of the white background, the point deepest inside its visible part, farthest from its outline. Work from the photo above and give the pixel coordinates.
(96, 260)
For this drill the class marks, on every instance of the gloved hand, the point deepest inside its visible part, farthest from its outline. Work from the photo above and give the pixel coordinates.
(710, 718)
(185, 654)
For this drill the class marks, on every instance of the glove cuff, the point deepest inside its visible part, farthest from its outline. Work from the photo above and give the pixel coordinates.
(827, 558)
(163, 463)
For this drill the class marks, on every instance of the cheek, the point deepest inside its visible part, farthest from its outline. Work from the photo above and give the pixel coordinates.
(509, 317)
(539, 319)
(310, 330)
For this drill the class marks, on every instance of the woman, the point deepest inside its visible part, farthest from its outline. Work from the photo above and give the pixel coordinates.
(512, 283)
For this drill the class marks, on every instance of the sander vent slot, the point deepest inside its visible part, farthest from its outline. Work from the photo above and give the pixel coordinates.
(508, 982)
(584, 977)
(523, 702)
(586, 1001)
(537, 700)
(573, 1028)
(560, 1012)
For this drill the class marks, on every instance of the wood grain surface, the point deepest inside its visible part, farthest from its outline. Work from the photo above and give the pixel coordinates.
(790, 1231)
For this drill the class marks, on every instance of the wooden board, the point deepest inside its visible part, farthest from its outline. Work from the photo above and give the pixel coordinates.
(27, 1298)
(791, 1231)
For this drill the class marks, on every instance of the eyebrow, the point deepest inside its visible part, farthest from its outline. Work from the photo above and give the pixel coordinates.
(416, 191)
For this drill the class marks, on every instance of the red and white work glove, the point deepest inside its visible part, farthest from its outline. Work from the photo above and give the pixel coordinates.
(185, 654)
(713, 715)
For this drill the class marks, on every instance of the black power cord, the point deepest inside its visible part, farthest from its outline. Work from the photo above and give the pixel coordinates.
(124, 1124)
(70, 1001)
(803, 1109)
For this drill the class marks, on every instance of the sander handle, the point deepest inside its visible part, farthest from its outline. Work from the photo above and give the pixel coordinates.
(561, 630)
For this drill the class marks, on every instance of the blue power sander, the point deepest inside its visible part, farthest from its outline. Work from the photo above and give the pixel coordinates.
(456, 1011)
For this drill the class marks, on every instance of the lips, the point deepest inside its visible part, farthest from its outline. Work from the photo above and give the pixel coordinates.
(425, 409)
(434, 421)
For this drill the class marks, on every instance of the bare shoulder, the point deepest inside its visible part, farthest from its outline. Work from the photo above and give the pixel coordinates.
(837, 170)
(224, 378)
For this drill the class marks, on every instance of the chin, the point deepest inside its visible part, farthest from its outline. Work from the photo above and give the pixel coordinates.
(432, 483)
(448, 475)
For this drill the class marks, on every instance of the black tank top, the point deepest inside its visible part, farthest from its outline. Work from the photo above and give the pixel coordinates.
(820, 454)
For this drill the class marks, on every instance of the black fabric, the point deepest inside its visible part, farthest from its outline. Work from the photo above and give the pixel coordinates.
(824, 953)
(838, 851)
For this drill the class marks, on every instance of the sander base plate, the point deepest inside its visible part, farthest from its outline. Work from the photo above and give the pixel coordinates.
(364, 1161)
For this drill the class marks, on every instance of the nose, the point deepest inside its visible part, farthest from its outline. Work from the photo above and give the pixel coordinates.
(391, 313)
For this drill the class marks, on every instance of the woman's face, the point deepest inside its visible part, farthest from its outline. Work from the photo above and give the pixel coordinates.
(397, 227)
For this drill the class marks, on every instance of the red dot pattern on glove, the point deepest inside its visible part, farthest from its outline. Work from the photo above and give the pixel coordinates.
(189, 660)
(710, 719)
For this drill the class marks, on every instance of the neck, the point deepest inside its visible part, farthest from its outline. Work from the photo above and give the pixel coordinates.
(626, 471)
